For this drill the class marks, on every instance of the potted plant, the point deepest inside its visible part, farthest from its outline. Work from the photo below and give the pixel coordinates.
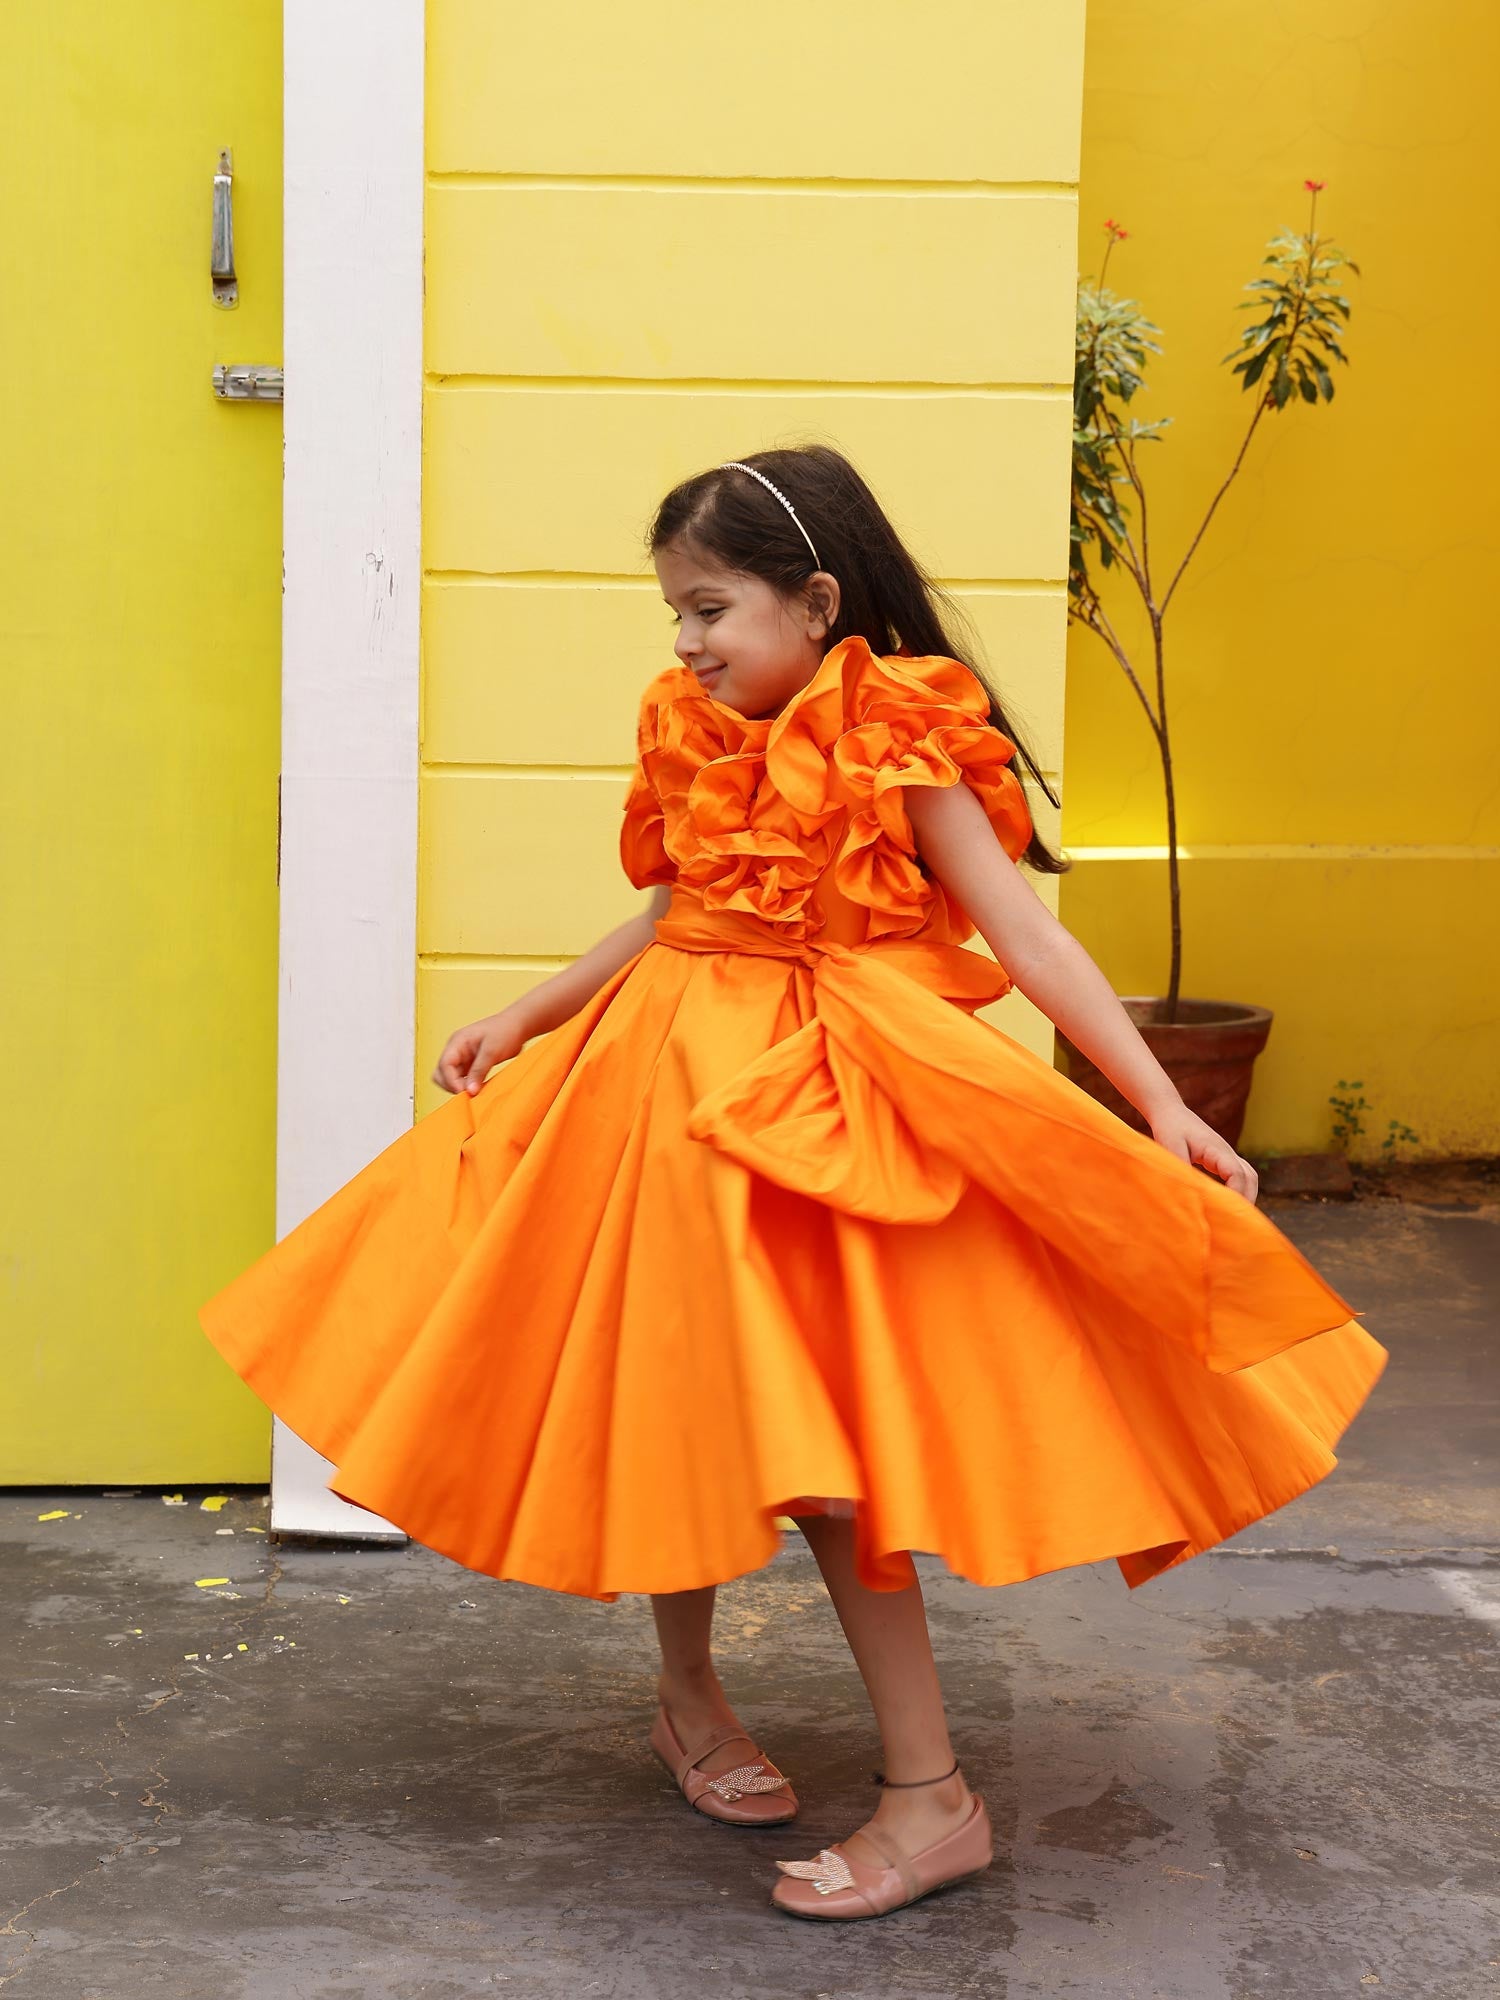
(1207, 1047)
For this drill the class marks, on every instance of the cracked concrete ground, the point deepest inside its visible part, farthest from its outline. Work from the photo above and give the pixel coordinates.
(381, 1776)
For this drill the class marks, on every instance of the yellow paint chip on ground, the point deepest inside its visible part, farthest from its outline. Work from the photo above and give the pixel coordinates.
(212, 1503)
(209, 1582)
(255, 1531)
(343, 1600)
(57, 1514)
(242, 1647)
(190, 1656)
(173, 1500)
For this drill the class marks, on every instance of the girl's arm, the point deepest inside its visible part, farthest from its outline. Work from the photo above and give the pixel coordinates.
(471, 1052)
(1049, 965)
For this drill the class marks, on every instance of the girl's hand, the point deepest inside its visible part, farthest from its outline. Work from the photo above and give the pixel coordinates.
(470, 1053)
(1184, 1133)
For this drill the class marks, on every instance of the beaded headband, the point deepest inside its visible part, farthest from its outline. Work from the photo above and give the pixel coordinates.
(740, 466)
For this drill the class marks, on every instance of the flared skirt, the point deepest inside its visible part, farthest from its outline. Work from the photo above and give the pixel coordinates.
(748, 1232)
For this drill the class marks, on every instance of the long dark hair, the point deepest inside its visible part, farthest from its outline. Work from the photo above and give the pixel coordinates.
(886, 598)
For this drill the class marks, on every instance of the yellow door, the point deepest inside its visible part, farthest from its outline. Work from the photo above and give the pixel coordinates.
(141, 527)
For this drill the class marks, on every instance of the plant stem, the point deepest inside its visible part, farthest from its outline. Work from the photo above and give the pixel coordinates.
(1123, 548)
(1262, 403)
(1096, 621)
(1260, 410)
(1174, 877)
(1138, 565)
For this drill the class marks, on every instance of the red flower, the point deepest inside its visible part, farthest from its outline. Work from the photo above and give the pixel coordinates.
(1315, 187)
(1115, 232)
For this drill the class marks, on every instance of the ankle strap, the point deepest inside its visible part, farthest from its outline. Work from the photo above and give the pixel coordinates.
(909, 1784)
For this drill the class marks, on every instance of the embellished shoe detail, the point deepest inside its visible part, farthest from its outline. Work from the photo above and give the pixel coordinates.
(837, 1886)
(830, 1871)
(751, 1794)
(746, 1778)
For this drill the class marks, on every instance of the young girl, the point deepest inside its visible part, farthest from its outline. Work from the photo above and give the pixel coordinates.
(757, 1219)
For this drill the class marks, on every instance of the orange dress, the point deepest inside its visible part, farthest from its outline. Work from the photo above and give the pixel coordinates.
(775, 1219)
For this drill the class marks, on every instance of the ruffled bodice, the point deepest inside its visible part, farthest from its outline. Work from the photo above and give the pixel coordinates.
(750, 815)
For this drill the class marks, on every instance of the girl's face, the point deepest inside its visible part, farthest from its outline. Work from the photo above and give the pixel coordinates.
(750, 647)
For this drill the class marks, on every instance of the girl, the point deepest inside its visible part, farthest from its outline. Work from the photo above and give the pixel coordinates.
(757, 1219)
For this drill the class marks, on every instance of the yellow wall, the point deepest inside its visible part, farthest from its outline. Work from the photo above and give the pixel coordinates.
(1333, 668)
(141, 525)
(652, 246)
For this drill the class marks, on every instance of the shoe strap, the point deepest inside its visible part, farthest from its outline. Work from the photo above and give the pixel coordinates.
(694, 1753)
(893, 1858)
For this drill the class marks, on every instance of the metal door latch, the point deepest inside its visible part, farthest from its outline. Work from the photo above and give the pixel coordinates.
(234, 382)
(221, 255)
(247, 382)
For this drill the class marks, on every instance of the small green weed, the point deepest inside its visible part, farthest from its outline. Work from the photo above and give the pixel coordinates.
(1348, 1125)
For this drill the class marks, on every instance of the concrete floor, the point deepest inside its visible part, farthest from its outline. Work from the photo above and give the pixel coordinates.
(1270, 1772)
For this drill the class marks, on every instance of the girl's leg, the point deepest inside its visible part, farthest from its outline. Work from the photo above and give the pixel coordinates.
(887, 1634)
(689, 1688)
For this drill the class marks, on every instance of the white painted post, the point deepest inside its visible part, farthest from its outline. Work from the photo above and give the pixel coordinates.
(353, 178)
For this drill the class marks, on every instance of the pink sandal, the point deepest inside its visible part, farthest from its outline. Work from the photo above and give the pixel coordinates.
(837, 1886)
(752, 1794)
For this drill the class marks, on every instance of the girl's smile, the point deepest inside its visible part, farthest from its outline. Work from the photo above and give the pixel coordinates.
(750, 647)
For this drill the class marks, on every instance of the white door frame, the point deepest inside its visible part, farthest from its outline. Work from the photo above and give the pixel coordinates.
(353, 178)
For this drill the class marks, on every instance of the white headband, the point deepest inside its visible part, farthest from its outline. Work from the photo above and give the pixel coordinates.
(740, 466)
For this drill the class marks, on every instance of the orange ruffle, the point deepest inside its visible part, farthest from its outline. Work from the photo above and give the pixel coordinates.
(748, 813)
(776, 1215)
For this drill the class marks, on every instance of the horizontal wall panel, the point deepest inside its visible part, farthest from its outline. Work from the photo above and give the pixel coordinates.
(1294, 936)
(523, 866)
(877, 89)
(1021, 636)
(568, 479)
(536, 673)
(520, 673)
(691, 283)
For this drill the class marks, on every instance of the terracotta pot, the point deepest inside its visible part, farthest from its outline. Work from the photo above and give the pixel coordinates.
(1209, 1052)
